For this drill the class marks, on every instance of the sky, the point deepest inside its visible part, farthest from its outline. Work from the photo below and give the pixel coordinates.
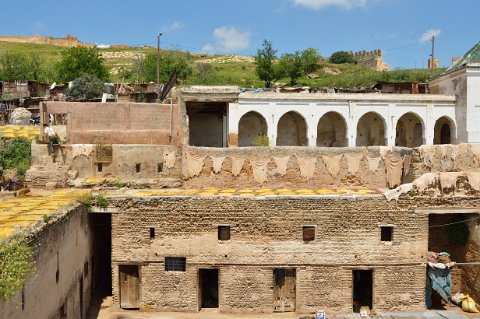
(402, 29)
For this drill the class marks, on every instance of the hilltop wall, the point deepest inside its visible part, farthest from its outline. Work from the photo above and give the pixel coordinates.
(68, 41)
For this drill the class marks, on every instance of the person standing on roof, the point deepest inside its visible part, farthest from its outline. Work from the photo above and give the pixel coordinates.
(51, 136)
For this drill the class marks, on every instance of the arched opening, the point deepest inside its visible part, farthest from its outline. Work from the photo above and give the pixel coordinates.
(292, 130)
(409, 131)
(444, 131)
(251, 126)
(332, 131)
(371, 130)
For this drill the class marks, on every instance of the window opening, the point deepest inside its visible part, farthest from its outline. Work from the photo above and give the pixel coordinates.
(175, 263)
(308, 233)
(224, 232)
(386, 233)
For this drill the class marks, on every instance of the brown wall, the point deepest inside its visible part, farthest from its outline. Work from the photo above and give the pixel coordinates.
(118, 123)
(267, 234)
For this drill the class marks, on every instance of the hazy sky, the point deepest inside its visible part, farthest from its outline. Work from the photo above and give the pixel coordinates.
(401, 28)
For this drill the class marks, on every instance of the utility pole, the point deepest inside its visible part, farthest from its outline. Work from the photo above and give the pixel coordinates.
(432, 65)
(158, 63)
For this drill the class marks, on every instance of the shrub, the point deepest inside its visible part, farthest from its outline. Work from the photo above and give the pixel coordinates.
(16, 264)
(16, 154)
(261, 140)
(340, 57)
(85, 87)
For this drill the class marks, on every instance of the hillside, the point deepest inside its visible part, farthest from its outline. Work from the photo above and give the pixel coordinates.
(231, 70)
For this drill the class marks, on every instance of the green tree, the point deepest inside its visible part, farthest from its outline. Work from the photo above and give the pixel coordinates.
(169, 61)
(78, 61)
(204, 70)
(85, 87)
(36, 65)
(291, 65)
(265, 61)
(16, 154)
(341, 57)
(14, 66)
(310, 58)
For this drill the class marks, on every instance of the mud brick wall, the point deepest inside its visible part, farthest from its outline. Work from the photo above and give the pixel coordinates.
(266, 233)
(118, 123)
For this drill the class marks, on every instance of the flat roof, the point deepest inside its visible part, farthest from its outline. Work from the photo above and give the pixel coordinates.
(20, 213)
(257, 192)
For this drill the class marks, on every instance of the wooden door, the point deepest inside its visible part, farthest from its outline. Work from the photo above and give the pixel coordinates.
(284, 290)
(129, 286)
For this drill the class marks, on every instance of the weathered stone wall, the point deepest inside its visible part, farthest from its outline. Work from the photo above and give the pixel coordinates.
(267, 234)
(123, 165)
(69, 237)
(68, 41)
(293, 178)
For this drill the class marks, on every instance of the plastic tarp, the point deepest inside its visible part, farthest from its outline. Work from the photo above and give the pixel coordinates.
(441, 281)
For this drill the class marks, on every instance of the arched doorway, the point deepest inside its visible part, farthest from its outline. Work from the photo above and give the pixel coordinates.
(444, 131)
(371, 130)
(332, 131)
(292, 130)
(409, 131)
(251, 126)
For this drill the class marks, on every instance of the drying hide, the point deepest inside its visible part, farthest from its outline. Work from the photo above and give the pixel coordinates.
(332, 163)
(353, 161)
(307, 166)
(282, 164)
(217, 163)
(237, 165)
(394, 169)
(259, 169)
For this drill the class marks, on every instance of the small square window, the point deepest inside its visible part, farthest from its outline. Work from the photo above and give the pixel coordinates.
(224, 232)
(99, 167)
(159, 167)
(175, 263)
(137, 167)
(386, 233)
(152, 232)
(308, 233)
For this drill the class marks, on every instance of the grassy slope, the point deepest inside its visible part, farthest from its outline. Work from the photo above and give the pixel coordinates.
(240, 73)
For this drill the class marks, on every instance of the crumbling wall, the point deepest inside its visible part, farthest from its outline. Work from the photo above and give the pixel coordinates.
(446, 158)
(333, 166)
(63, 250)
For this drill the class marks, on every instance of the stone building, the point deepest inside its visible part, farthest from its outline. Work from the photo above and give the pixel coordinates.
(336, 213)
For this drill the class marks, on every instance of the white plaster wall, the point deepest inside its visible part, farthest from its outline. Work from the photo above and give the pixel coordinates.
(313, 106)
(473, 105)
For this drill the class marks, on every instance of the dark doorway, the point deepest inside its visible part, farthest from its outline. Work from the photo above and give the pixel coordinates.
(444, 131)
(207, 124)
(102, 253)
(362, 294)
(445, 134)
(129, 286)
(208, 284)
(100, 265)
(284, 290)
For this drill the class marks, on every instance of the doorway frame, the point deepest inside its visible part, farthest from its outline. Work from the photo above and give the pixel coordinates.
(200, 288)
(373, 284)
(139, 267)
